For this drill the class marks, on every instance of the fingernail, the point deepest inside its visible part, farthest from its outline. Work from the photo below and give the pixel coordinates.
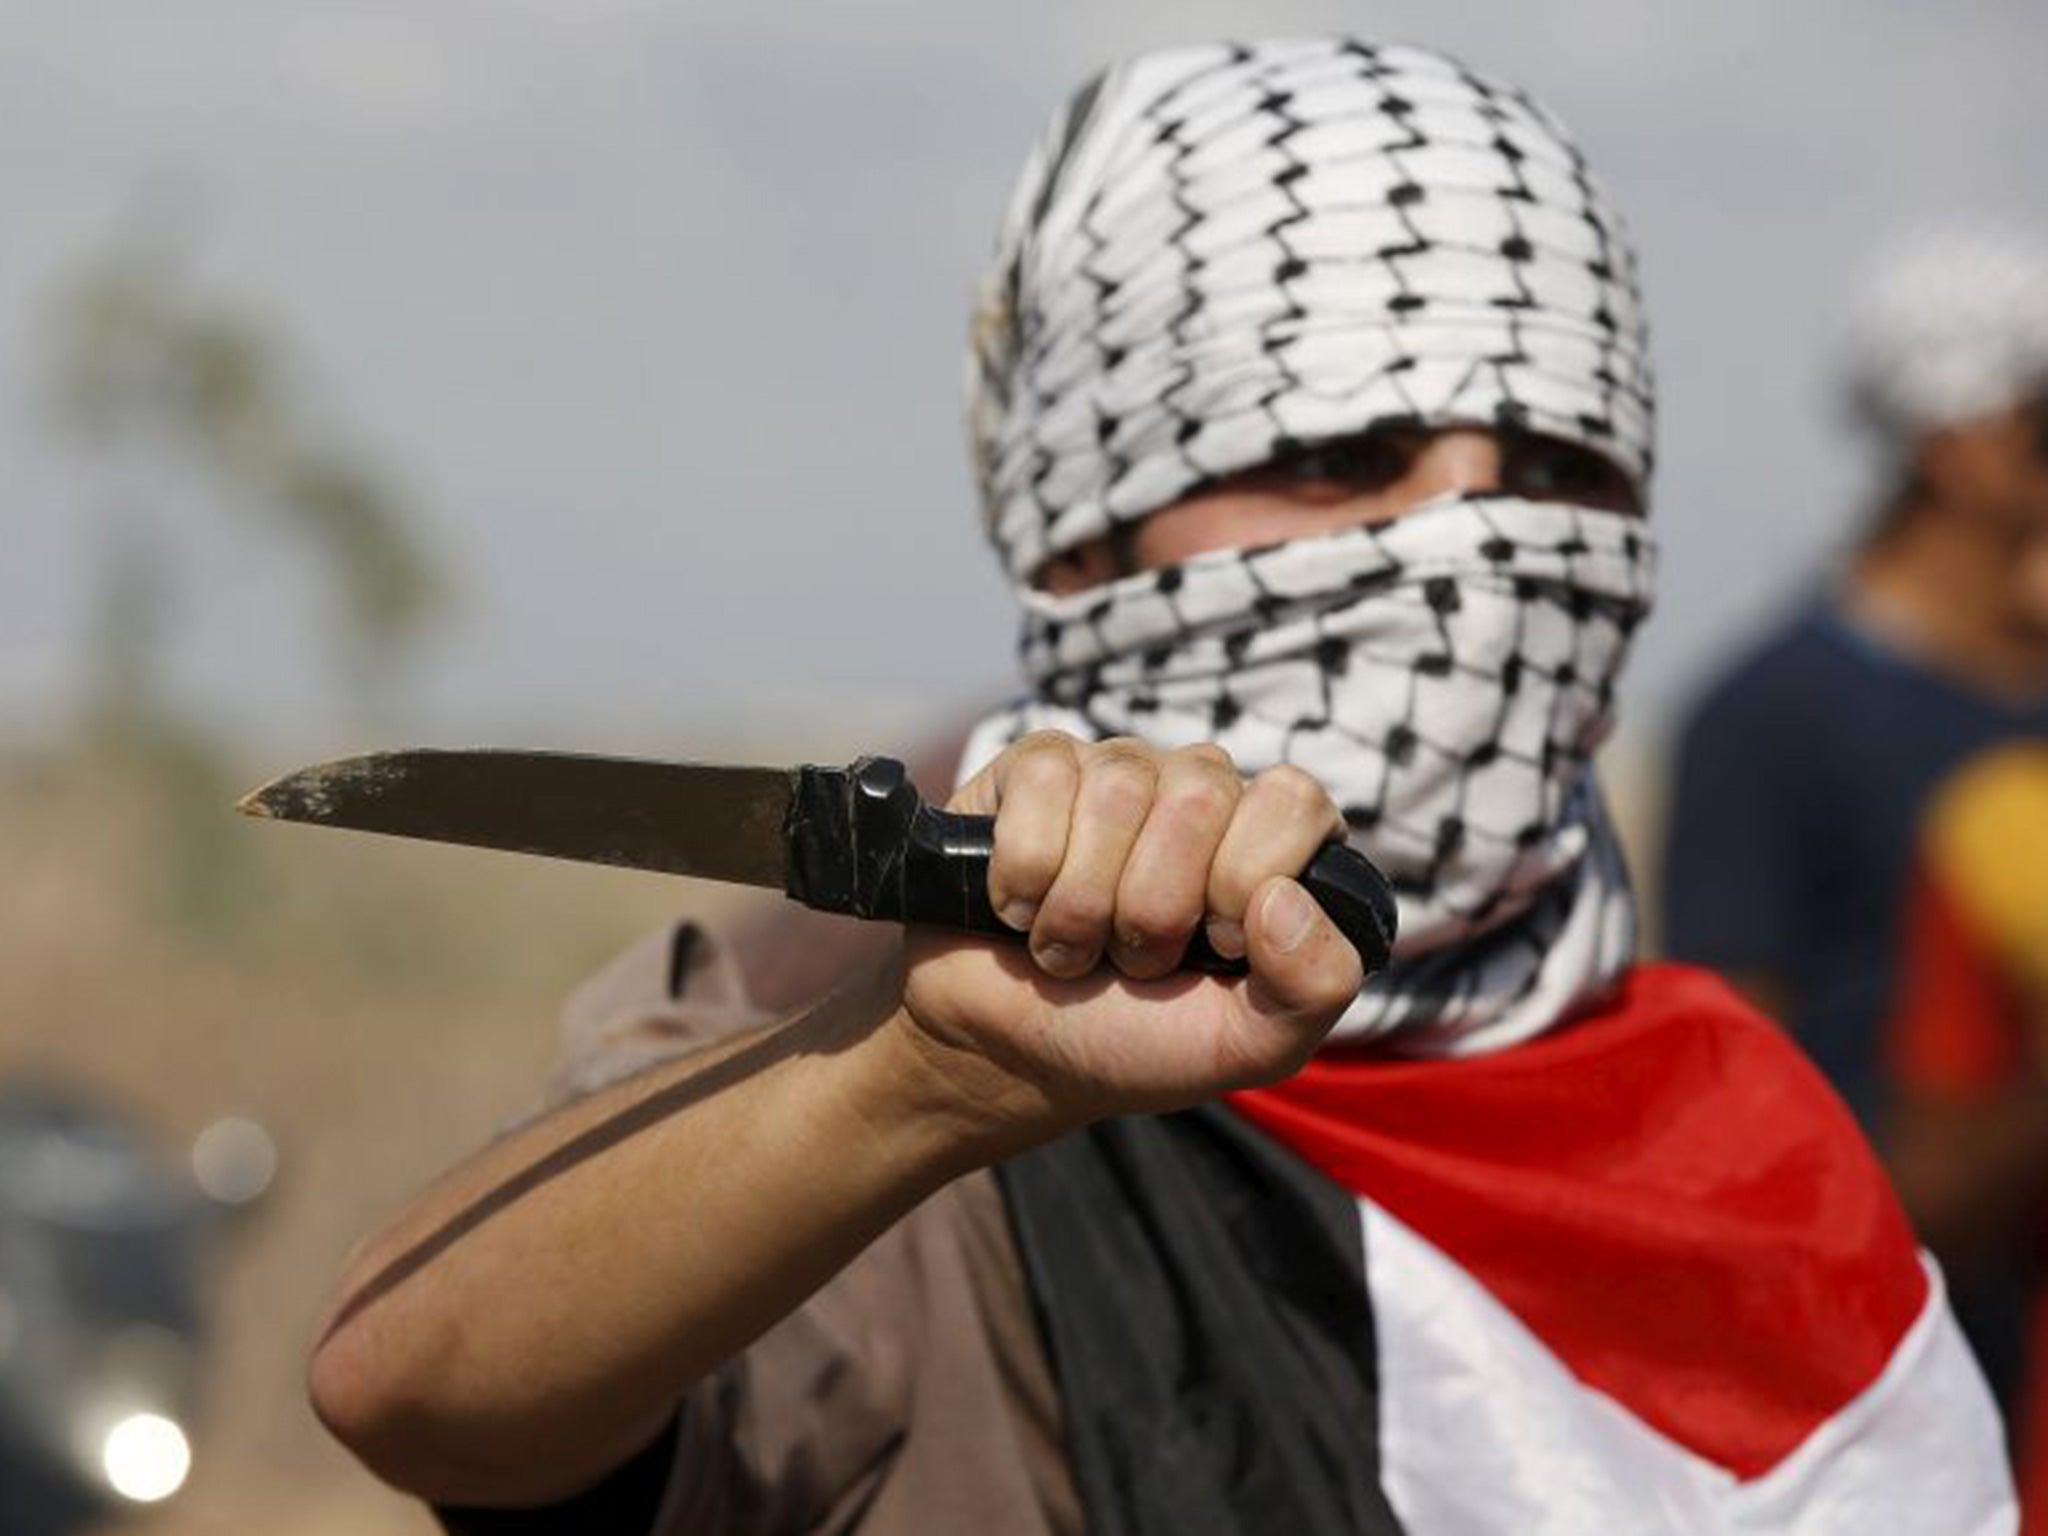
(1289, 915)
(1019, 913)
(1226, 938)
(1059, 959)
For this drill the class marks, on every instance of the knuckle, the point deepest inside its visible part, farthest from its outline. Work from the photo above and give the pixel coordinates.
(1126, 751)
(1075, 916)
(1121, 786)
(1043, 760)
(1205, 798)
(1296, 789)
(1150, 915)
(1042, 741)
(1208, 755)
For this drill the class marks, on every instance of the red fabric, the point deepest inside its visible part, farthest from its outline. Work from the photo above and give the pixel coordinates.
(1664, 1192)
(2030, 1440)
(1954, 1035)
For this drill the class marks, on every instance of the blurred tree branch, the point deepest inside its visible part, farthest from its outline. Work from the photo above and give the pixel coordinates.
(145, 362)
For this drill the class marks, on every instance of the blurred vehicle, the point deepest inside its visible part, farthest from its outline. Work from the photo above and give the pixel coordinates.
(103, 1248)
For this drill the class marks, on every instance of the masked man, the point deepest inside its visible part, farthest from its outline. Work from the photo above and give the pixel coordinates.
(1312, 415)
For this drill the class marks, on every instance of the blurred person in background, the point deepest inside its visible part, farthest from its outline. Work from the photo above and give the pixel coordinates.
(1311, 411)
(1967, 1062)
(1802, 773)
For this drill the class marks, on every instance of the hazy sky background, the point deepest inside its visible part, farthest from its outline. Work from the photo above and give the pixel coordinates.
(657, 307)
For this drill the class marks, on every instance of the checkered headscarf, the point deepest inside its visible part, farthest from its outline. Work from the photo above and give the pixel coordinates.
(1222, 252)
(1218, 252)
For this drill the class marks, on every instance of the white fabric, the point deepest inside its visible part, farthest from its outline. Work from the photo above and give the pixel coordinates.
(1221, 251)
(1446, 677)
(1948, 326)
(1484, 1430)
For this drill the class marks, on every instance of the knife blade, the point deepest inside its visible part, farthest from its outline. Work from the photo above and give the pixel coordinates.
(857, 840)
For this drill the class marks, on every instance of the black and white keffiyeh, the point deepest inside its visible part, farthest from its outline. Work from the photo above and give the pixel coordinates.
(1447, 676)
(1220, 253)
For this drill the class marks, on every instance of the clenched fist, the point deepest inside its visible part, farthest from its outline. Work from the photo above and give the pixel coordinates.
(1108, 855)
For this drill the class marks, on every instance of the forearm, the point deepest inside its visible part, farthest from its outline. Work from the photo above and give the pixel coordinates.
(534, 1318)
(530, 1322)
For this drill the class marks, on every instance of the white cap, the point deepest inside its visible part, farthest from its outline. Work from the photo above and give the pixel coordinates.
(1949, 324)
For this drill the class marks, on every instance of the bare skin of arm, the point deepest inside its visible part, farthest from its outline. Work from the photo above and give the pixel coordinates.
(531, 1320)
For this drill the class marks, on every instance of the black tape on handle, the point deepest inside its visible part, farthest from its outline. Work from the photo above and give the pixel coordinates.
(863, 842)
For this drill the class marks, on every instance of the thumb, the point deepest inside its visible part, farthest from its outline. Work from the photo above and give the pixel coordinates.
(1304, 975)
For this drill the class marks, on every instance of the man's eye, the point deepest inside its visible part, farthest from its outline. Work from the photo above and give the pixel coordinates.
(1353, 464)
(1552, 471)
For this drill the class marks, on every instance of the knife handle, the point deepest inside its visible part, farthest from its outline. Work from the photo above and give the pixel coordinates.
(863, 842)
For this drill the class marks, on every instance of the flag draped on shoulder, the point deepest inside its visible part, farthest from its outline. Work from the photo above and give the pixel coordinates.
(1642, 1275)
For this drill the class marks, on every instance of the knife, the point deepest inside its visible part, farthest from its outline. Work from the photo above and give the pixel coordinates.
(857, 840)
